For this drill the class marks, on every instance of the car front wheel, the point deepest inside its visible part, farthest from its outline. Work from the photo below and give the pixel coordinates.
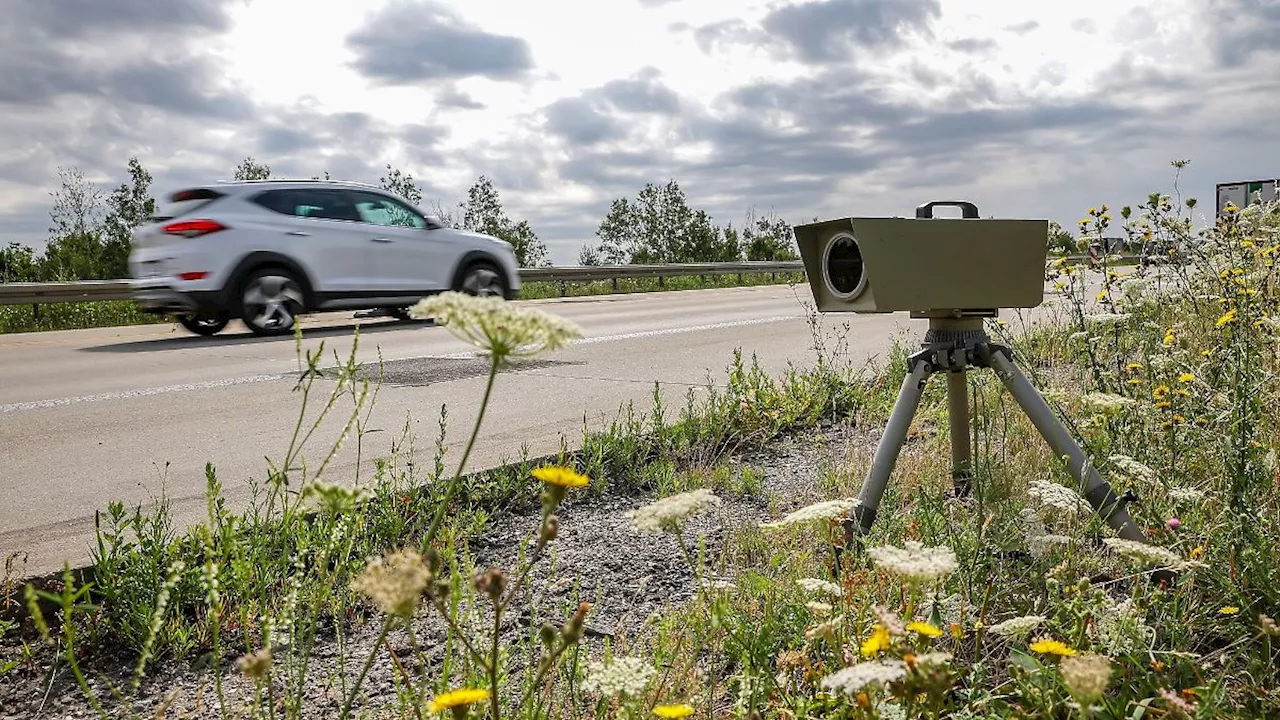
(483, 280)
(207, 324)
(271, 301)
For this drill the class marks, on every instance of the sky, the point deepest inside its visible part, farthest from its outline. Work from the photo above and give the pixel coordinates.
(817, 109)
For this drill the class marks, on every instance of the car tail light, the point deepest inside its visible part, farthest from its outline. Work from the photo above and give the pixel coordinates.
(193, 228)
(193, 275)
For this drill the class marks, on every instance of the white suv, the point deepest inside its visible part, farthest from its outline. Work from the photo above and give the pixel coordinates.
(265, 251)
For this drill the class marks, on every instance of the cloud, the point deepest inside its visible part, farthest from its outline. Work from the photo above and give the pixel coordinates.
(1240, 30)
(421, 41)
(973, 45)
(452, 97)
(1023, 28)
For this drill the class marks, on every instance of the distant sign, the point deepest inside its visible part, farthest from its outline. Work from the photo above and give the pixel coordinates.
(1241, 194)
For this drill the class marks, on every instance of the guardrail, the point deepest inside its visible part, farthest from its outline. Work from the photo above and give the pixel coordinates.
(29, 293)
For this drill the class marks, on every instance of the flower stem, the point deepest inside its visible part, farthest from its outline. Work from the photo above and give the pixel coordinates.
(368, 663)
(466, 454)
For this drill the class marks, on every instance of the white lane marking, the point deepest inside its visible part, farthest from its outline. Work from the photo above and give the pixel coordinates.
(212, 384)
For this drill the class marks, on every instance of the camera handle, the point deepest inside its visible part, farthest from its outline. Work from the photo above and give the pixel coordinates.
(968, 210)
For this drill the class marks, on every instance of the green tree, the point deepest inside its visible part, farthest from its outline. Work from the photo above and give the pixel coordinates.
(128, 206)
(250, 169)
(18, 263)
(75, 250)
(589, 255)
(660, 227)
(483, 213)
(401, 184)
(768, 237)
(1060, 239)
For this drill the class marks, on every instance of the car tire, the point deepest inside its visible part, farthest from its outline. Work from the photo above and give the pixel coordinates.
(271, 299)
(483, 279)
(401, 314)
(205, 324)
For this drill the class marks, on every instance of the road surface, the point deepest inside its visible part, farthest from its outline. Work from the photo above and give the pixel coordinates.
(90, 416)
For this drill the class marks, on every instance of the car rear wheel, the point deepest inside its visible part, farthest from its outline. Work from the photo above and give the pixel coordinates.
(400, 313)
(483, 280)
(271, 301)
(205, 324)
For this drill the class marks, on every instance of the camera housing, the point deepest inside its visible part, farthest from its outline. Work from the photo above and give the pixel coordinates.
(932, 267)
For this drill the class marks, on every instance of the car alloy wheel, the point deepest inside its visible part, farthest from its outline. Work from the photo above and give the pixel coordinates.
(483, 281)
(271, 302)
(205, 324)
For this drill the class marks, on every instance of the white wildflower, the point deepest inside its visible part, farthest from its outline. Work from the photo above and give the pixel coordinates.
(1132, 288)
(951, 608)
(1163, 362)
(623, 676)
(1142, 552)
(1105, 403)
(1119, 628)
(933, 659)
(915, 563)
(496, 326)
(394, 582)
(718, 585)
(1079, 336)
(1030, 524)
(820, 586)
(1045, 544)
(1133, 468)
(890, 711)
(826, 629)
(1185, 494)
(1017, 628)
(1107, 318)
(1271, 323)
(333, 498)
(667, 514)
(1057, 497)
(819, 608)
(1086, 676)
(826, 510)
(853, 679)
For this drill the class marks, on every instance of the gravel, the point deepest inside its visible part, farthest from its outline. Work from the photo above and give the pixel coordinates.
(628, 577)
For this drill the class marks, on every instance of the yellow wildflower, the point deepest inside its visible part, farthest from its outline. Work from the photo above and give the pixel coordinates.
(1168, 337)
(1133, 366)
(562, 476)
(957, 632)
(925, 629)
(673, 711)
(1160, 391)
(878, 641)
(1052, 647)
(1229, 610)
(1227, 318)
(458, 698)
(1186, 377)
(1135, 381)
(1102, 295)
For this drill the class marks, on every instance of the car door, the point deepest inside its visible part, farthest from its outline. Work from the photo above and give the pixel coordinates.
(321, 230)
(407, 256)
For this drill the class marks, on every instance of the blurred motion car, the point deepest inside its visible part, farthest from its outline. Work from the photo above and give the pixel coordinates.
(267, 251)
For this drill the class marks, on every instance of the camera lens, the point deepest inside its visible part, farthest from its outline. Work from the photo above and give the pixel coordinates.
(844, 266)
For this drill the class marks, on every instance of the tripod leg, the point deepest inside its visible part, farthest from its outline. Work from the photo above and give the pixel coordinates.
(1096, 490)
(895, 433)
(961, 451)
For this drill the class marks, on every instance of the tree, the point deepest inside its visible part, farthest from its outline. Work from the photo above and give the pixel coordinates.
(1060, 239)
(589, 255)
(75, 250)
(128, 206)
(401, 184)
(660, 227)
(768, 238)
(18, 263)
(483, 213)
(250, 169)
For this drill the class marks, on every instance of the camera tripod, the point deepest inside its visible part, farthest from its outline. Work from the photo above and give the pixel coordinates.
(953, 345)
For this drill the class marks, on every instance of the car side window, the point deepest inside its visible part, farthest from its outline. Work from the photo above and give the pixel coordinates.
(381, 210)
(321, 204)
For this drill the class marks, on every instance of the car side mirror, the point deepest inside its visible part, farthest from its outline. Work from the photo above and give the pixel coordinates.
(434, 223)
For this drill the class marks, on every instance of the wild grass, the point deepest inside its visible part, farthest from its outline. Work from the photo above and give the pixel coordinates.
(72, 316)
(1013, 602)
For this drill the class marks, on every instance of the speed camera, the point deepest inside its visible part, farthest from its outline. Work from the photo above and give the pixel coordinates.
(927, 265)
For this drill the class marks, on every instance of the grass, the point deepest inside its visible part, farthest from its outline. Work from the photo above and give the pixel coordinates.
(116, 313)
(1013, 602)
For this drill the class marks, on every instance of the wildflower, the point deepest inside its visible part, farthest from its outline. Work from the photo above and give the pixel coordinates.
(1197, 552)
(1018, 627)
(561, 476)
(1133, 366)
(495, 326)
(256, 665)
(1168, 337)
(878, 641)
(1229, 610)
(1186, 377)
(1160, 391)
(925, 629)
(1177, 704)
(888, 619)
(673, 711)
(1144, 553)
(1086, 676)
(933, 659)
(457, 699)
(822, 586)
(826, 629)
(1058, 497)
(1173, 523)
(826, 510)
(394, 582)
(1049, 646)
(1268, 626)
(622, 676)
(667, 514)
(915, 563)
(1105, 403)
(1227, 318)
(1133, 468)
(854, 678)
(818, 608)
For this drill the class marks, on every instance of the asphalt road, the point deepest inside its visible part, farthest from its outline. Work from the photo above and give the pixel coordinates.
(90, 416)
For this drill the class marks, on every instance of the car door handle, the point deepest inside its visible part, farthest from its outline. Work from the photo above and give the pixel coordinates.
(382, 240)
(298, 233)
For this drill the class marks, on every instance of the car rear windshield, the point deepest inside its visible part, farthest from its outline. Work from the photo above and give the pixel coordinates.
(184, 202)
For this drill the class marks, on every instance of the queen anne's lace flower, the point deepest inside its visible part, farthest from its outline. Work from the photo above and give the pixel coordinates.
(498, 327)
(1086, 676)
(1184, 494)
(853, 679)
(1058, 497)
(1143, 552)
(826, 510)
(932, 659)
(1107, 318)
(1017, 627)
(1105, 403)
(1133, 468)
(915, 563)
(820, 586)
(623, 676)
(394, 582)
(667, 514)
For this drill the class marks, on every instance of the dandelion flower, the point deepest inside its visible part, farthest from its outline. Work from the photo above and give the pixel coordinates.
(854, 678)
(915, 563)
(673, 711)
(1017, 627)
(826, 510)
(1058, 497)
(1143, 552)
(821, 586)
(925, 629)
(459, 698)
(622, 676)
(562, 476)
(1186, 377)
(1052, 647)
(394, 582)
(1086, 676)
(878, 641)
(667, 514)
(1227, 318)
(500, 328)
(1229, 610)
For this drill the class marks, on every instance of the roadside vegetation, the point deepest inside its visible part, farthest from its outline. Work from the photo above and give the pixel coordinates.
(1015, 602)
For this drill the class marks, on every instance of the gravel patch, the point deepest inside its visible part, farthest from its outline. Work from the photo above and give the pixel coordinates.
(628, 577)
